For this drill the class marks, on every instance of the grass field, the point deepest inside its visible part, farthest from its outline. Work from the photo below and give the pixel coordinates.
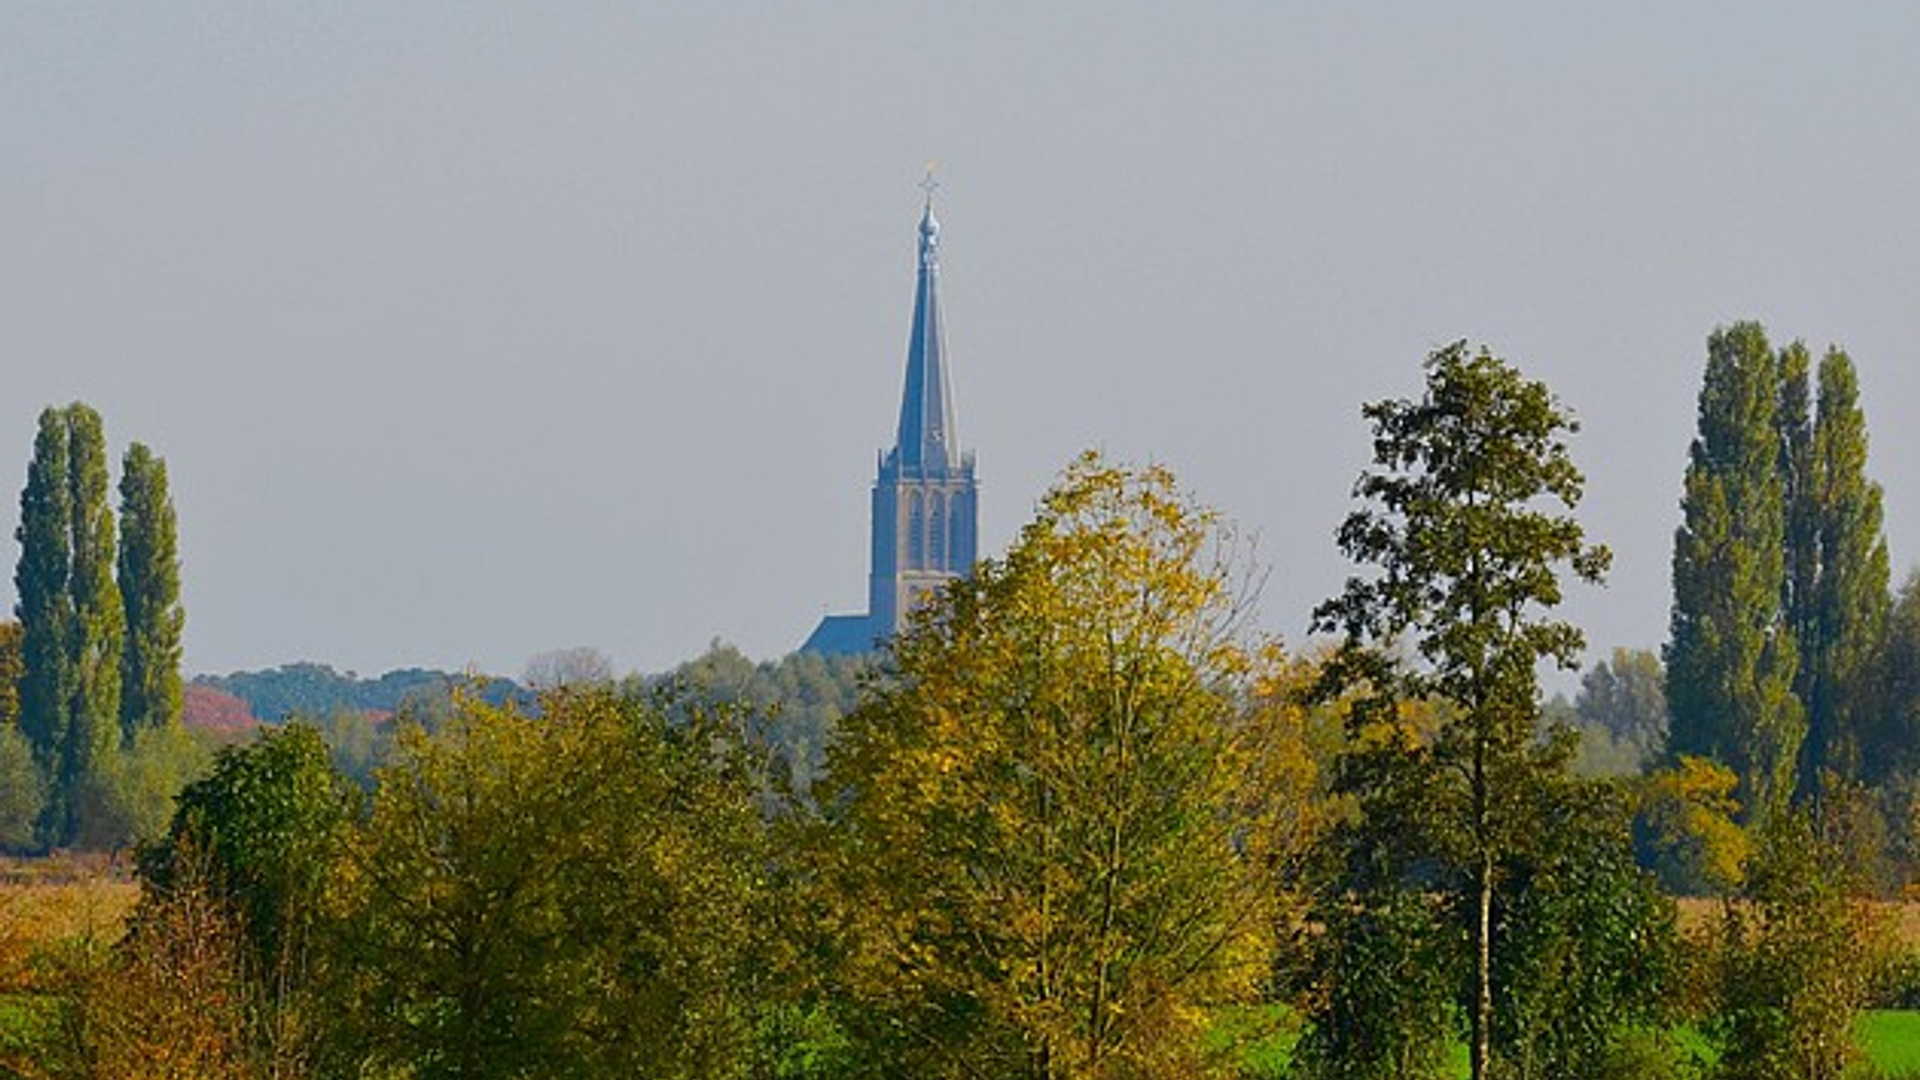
(1890, 1038)
(1892, 1041)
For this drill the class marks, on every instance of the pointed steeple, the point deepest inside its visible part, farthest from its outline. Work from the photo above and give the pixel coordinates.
(927, 438)
(925, 497)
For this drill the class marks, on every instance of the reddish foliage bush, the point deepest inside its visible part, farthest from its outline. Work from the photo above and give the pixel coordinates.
(207, 709)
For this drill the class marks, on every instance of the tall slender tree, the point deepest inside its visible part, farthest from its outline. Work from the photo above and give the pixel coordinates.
(45, 608)
(99, 617)
(1731, 656)
(150, 689)
(1891, 728)
(1846, 621)
(72, 621)
(1800, 513)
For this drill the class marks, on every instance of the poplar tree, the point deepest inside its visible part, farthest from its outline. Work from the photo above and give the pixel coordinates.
(1847, 610)
(1731, 656)
(1892, 727)
(69, 609)
(99, 617)
(1800, 488)
(150, 588)
(45, 606)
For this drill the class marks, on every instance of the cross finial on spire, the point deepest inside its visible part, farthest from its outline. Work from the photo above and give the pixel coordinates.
(928, 184)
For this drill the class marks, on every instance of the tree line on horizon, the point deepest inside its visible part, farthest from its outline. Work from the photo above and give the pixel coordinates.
(1082, 819)
(794, 702)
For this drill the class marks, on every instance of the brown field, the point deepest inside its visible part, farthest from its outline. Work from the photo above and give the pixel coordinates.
(44, 901)
(1902, 917)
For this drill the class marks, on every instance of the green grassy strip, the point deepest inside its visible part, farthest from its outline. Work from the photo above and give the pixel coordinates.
(1263, 1040)
(1260, 1038)
(1891, 1039)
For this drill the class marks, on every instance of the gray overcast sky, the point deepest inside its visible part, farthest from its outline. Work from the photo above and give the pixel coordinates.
(471, 330)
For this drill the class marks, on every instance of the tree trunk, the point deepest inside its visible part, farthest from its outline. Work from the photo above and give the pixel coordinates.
(1483, 918)
(1483, 969)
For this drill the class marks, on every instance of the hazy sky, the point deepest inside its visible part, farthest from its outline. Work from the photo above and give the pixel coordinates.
(471, 330)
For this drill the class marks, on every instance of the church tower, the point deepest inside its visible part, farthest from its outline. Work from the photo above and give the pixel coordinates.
(925, 497)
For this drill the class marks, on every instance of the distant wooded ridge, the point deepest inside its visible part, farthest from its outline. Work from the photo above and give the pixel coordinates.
(314, 690)
(308, 689)
(790, 705)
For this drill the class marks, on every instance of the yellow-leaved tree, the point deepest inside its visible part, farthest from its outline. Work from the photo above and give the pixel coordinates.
(1065, 824)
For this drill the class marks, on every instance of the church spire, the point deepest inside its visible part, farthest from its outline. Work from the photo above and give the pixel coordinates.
(925, 497)
(927, 438)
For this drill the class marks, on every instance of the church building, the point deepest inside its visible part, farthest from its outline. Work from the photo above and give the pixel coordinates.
(925, 499)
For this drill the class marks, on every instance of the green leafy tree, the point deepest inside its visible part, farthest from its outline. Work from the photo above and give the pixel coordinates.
(1059, 820)
(792, 706)
(359, 745)
(269, 820)
(1846, 622)
(1731, 656)
(568, 895)
(1800, 494)
(458, 914)
(22, 788)
(1468, 552)
(1777, 501)
(69, 609)
(1796, 961)
(128, 798)
(149, 577)
(99, 616)
(291, 690)
(13, 671)
(1892, 729)
(308, 690)
(23, 792)
(1386, 971)
(257, 841)
(1390, 1011)
(1585, 940)
(1625, 696)
(45, 611)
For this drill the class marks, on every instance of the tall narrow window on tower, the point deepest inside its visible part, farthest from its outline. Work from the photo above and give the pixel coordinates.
(925, 530)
